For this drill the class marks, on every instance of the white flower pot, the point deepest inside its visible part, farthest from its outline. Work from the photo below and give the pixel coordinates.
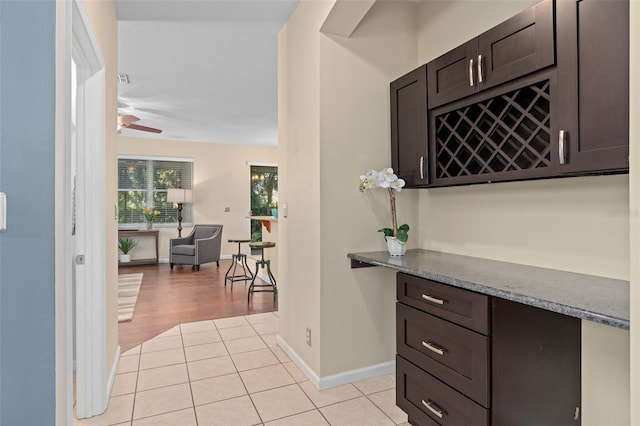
(125, 258)
(395, 247)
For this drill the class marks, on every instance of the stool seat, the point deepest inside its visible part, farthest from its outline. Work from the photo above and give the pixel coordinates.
(269, 287)
(236, 258)
(262, 244)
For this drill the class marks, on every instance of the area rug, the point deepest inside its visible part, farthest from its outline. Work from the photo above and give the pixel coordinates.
(128, 289)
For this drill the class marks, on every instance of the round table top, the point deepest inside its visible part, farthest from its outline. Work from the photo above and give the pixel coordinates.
(262, 244)
(239, 240)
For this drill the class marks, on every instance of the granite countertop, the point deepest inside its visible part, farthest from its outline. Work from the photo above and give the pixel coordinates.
(598, 299)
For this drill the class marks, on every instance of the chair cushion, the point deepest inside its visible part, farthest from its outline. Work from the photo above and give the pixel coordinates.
(184, 249)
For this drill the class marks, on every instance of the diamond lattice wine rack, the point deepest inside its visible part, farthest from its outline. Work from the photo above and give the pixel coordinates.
(499, 138)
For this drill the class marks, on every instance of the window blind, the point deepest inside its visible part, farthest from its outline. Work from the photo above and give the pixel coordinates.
(143, 182)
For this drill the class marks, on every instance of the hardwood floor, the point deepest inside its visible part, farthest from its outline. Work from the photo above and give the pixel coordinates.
(170, 297)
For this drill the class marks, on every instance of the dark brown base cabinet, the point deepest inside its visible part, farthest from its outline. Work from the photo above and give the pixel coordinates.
(469, 359)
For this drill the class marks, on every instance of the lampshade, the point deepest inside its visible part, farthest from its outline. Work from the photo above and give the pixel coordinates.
(179, 195)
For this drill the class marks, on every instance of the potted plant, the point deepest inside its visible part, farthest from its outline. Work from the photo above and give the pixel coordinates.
(125, 245)
(274, 208)
(396, 236)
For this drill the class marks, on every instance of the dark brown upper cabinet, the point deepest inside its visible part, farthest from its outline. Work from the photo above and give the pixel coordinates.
(409, 127)
(517, 47)
(593, 85)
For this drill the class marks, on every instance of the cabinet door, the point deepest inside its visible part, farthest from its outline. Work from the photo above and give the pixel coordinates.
(535, 372)
(593, 84)
(517, 47)
(453, 75)
(409, 127)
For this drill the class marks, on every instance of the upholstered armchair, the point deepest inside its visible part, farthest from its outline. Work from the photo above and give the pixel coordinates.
(202, 245)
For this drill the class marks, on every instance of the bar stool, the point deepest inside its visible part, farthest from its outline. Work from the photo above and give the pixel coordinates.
(262, 262)
(235, 259)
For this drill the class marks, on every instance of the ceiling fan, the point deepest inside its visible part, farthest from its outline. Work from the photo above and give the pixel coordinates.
(128, 121)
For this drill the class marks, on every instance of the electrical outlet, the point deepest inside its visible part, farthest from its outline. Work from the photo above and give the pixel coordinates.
(227, 209)
(308, 336)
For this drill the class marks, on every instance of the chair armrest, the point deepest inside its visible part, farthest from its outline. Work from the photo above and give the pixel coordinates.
(208, 249)
(180, 241)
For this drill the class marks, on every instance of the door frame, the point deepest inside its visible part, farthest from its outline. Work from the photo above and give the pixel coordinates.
(76, 40)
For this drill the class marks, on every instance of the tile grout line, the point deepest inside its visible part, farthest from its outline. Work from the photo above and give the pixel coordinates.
(186, 366)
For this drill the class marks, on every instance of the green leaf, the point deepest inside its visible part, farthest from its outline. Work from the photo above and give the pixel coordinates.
(388, 232)
(403, 233)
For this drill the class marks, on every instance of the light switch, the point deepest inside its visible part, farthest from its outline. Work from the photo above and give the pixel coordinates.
(285, 209)
(3, 212)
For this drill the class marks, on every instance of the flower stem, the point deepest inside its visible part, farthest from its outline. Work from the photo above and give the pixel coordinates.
(394, 221)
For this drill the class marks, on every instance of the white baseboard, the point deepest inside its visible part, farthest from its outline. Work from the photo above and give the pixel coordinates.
(322, 383)
(114, 370)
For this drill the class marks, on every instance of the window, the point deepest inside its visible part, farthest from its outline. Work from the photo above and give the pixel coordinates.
(264, 193)
(143, 182)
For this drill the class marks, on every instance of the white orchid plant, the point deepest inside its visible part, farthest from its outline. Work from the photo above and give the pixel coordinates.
(388, 180)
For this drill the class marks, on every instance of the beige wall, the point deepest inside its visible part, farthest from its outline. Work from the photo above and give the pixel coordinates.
(221, 179)
(299, 179)
(577, 224)
(102, 14)
(334, 126)
(358, 307)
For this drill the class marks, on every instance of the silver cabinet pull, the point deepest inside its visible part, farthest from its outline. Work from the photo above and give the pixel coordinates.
(480, 69)
(422, 167)
(431, 406)
(433, 348)
(561, 142)
(433, 299)
(470, 72)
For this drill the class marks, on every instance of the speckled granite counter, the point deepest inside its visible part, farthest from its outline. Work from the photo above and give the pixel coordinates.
(589, 297)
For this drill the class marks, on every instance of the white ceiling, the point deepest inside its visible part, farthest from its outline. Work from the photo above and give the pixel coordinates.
(201, 70)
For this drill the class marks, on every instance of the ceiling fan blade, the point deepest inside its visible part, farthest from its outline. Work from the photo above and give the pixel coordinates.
(143, 128)
(125, 120)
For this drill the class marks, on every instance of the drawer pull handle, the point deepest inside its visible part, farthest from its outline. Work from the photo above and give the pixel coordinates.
(431, 406)
(470, 72)
(433, 348)
(433, 299)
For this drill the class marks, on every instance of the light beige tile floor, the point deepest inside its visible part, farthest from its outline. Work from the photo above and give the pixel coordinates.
(230, 372)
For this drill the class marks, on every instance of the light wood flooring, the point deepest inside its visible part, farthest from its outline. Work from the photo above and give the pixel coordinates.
(171, 297)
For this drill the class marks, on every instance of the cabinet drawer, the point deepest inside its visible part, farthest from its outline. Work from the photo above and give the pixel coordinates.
(462, 307)
(430, 402)
(453, 354)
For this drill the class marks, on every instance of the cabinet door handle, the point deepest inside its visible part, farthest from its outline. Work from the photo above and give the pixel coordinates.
(470, 72)
(480, 80)
(433, 348)
(431, 406)
(422, 167)
(561, 148)
(433, 299)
